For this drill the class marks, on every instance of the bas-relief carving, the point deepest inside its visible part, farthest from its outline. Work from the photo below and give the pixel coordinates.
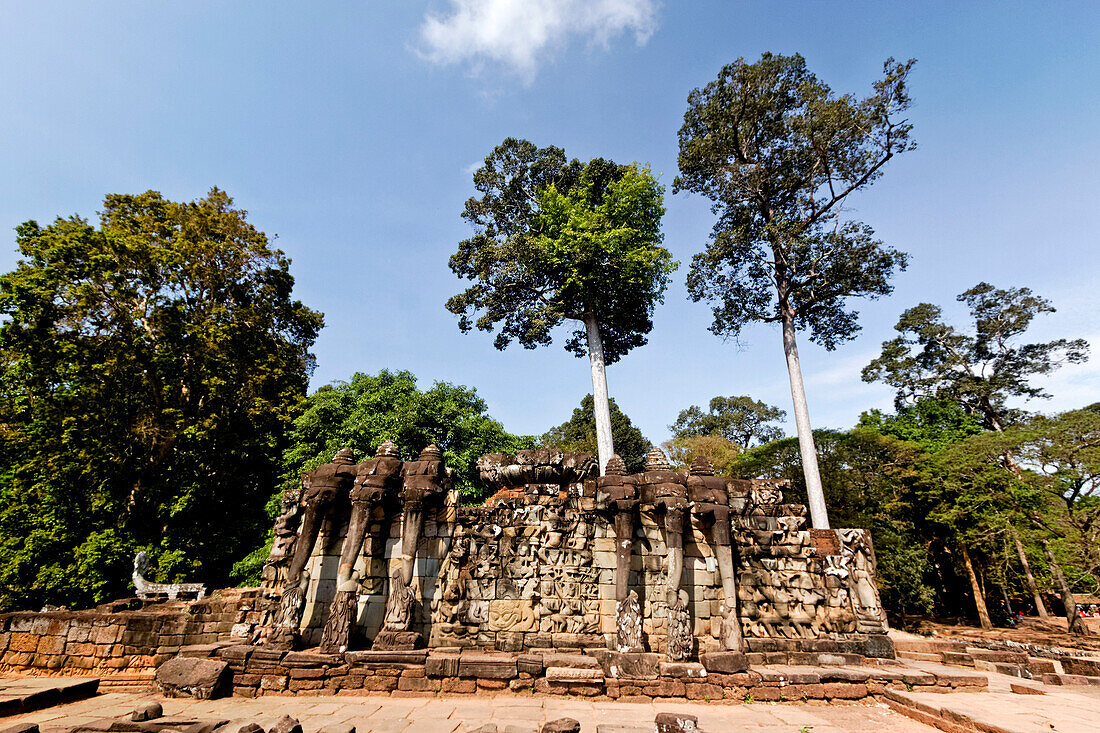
(556, 541)
(857, 549)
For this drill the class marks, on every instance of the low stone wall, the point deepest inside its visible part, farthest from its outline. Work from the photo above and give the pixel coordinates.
(722, 676)
(109, 639)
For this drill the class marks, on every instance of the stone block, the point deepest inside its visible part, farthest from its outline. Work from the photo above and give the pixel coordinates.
(562, 725)
(487, 666)
(681, 670)
(571, 675)
(675, 723)
(724, 662)
(584, 661)
(147, 711)
(441, 665)
(201, 679)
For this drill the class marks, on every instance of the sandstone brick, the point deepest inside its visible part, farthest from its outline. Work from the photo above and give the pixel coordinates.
(459, 686)
(418, 684)
(23, 642)
(844, 690)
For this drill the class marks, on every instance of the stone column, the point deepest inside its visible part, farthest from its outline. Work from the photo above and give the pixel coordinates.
(670, 495)
(425, 480)
(319, 489)
(376, 481)
(710, 499)
(621, 499)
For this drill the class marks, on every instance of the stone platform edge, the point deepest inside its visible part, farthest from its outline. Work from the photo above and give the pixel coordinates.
(594, 673)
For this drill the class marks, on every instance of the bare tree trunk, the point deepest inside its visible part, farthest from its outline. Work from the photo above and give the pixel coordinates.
(1040, 608)
(1076, 623)
(815, 495)
(976, 589)
(604, 444)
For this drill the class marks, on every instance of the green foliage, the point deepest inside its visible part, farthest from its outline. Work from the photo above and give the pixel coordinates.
(150, 367)
(778, 152)
(558, 241)
(739, 419)
(722, 453)
(1062, 454)
(931, 423)
(368, 410)
(579, 434)
(981, 370)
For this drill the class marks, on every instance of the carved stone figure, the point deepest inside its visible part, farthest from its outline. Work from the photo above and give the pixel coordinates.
(147, 591)
(681, 639)
(400, 604)
(341, 616)
(619, 497)
(376, 483)
(424, 481)
(666, 490)
(860, 555)
(710, 500)
(628, 623)
(320, 487)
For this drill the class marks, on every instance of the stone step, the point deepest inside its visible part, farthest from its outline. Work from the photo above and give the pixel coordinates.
(1007, 668)
(989, 655)
(928, 645)
(1070, 680)
(921, 656)
(958, 659)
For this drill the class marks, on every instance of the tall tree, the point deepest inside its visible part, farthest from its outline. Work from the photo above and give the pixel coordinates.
(578, 433)
(779, 153)
(981, 370)
(739, 419)
(561, 240)
(150, 367)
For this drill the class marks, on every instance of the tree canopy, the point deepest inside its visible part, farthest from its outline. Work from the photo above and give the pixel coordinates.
(778, 152)
(980, 370)
(150, 367)
(579, 434)
(557, 240)
(739, 419)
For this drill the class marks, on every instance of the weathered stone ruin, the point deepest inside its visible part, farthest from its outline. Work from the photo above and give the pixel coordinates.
(662, 583)
(380, 555)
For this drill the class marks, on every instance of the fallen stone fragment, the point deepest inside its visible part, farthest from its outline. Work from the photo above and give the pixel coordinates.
(286, 724)
(675, 723)
(338, 728)
(194, 677)
(147, 711)
(562, 725)
(1025, 689)
(250, 728)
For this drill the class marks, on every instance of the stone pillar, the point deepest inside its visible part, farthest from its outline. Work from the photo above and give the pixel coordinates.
(669, 491)
(710, 499)
(376, 481)
(320, 488)
(425, 480)
(619, 495)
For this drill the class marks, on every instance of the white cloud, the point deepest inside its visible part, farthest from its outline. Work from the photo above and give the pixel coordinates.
(518, 34)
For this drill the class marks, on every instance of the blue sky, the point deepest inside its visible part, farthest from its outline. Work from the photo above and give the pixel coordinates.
(351, 129)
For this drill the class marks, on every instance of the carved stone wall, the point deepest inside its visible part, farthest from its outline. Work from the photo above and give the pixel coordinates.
(535, 567)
